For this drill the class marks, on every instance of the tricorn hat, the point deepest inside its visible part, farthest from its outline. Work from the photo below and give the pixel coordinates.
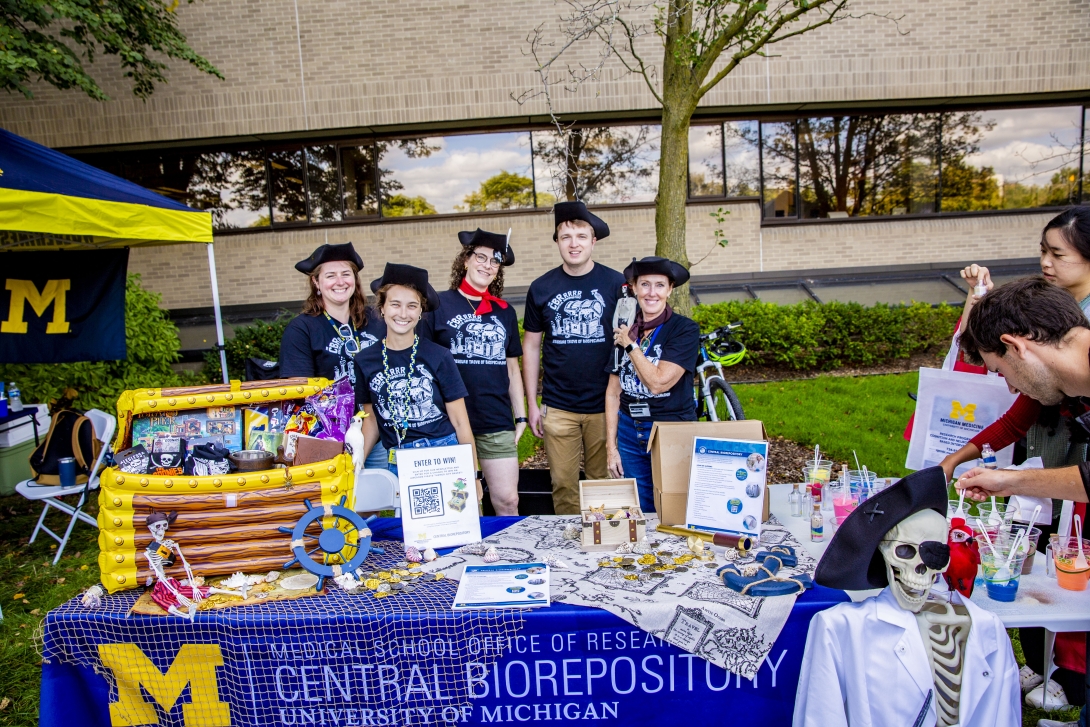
(571, 211)
(328, 254)
(654, 265)
(500, 244)
(410, 277)
(852, 562)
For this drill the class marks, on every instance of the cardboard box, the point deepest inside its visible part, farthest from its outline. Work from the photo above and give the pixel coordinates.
(614, 495)
(671, 448)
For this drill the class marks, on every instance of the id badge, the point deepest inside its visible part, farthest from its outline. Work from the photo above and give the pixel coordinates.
(390, 456)
(639, 410)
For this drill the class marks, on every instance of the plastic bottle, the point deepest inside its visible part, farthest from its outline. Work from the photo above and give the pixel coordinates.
(817, 524)
(980, 289)
(794, 501)
(987, 457)
(3, 401)
(15, 398)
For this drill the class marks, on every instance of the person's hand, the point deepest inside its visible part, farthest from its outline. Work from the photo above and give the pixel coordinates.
(613, 463)
(976, 275)
(979, 484)
(533, 413)
(519, 429)
(948, 466)
(620, 336)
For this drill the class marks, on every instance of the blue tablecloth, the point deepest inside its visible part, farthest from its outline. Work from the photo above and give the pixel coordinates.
(562, 663)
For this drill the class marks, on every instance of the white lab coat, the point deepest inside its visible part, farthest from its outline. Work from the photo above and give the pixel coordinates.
(865, 666)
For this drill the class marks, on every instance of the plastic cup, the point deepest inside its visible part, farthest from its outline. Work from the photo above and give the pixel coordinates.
(1030, 545)
(1000, 580)
(1004, 513)
(816, 478)
(1066, 551)
(844, 500)
(863, 486)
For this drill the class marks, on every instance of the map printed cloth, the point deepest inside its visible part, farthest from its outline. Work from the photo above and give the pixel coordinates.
(690, 609)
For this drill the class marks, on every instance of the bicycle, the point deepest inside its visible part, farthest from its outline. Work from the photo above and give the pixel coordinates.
(714, 396)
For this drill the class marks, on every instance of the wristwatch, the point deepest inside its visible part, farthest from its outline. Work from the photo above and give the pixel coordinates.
(629, 347)
(521, 420)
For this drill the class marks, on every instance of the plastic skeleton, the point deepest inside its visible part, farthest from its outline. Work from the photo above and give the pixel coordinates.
(915, 552)
(168, 592)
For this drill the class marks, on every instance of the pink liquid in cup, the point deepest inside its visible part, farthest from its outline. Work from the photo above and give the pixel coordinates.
(842, 507)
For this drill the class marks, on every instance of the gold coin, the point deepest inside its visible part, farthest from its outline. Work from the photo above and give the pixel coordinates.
(605, 563)
(384, 575)
(413, 565)
(439, 576)
(631, 577)
(617, 559)
(401, 572)
(646, 559)
(381, 594)
(372, 583)
(395, 578)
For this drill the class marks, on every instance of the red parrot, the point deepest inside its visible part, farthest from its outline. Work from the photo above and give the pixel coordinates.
(960, 575)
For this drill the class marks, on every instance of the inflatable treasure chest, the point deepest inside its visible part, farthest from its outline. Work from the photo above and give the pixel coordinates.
(227, 521)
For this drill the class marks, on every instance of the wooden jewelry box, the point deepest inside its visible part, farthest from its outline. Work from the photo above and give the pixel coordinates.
(603, 506)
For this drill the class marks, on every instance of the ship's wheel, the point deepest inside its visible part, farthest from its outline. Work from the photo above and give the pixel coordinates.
(333, 551)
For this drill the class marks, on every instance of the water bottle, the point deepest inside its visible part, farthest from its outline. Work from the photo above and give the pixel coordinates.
(817, 524)
(794, 501)
(15, 398)
(980, 289)
(987, 457)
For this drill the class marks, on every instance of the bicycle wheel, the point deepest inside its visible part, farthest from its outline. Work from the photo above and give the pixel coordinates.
(727, 406)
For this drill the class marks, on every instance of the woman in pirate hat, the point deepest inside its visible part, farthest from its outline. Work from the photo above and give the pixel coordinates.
(481, 331)
(408, 386)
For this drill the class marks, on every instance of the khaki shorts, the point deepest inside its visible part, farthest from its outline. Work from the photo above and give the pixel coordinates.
(498, 445)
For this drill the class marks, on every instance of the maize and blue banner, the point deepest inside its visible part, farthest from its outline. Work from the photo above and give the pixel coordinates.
(63, 306)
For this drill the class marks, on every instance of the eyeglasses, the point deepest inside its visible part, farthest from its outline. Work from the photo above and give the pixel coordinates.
(486, 260)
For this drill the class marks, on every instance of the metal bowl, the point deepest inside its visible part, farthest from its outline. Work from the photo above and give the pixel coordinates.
(252, 460)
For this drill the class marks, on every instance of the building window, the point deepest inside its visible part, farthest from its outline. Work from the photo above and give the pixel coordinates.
(740, 156)
(779, 162)
(323, 188)
(598, 164)
(358, 177)
(289, 191)
(706, 161)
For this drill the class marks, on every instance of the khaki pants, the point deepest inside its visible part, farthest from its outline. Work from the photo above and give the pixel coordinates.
(565, 434)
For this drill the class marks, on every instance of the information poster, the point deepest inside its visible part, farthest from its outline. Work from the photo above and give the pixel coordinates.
(438, 496)
(727, 486)
(506, 585)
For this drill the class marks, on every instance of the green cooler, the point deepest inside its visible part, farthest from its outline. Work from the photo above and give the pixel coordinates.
(14, 465)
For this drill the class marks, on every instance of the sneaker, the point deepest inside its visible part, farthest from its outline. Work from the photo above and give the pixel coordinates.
(1055, 723)
(1029, 678)
(1053, 700)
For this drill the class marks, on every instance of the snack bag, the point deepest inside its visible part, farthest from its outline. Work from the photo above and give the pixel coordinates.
(333, 407)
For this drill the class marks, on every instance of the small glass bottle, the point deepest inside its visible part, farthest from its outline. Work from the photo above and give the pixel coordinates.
(817, 524)
(987, 457)
(794, 501)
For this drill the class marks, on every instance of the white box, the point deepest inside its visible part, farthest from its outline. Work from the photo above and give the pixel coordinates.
(12, 433)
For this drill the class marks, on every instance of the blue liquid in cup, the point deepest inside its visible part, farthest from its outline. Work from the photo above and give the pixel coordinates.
(998, 591)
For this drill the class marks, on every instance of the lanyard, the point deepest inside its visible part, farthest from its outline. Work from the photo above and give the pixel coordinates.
(339, 329)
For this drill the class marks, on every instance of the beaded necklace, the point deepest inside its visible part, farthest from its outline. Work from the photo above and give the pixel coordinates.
(401, 421)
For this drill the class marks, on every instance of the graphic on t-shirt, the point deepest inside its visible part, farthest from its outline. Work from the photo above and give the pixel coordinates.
(575, 317)
(630, 382)
(344, 365)
(406, 397)
(479, 339)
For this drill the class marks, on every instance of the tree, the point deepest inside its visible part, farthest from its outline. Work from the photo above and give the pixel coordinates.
(701, 42)
(400, 205)
(504, 191)
(591, 162)
(50, 41)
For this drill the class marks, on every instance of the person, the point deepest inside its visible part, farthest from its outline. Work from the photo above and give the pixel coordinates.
(335, 324)
(1065, 262)
(566, 311)
(409, 387)
(482, 333)
(654, 380)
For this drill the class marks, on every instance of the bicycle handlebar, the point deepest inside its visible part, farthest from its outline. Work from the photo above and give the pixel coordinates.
(727, 329)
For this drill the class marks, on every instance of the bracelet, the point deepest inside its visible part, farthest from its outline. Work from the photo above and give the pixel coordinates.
(629, 347)
(521, 420)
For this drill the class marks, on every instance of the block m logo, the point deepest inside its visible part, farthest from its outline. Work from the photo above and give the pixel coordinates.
(194, 665)
(55, 292)
(966, 413)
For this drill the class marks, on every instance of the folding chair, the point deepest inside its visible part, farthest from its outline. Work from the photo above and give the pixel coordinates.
(104, 425)
(377, 489)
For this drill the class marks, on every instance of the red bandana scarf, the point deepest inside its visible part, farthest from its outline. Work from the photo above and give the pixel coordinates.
(487, 298)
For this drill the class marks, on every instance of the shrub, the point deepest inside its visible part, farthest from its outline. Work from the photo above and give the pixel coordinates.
(826, 336)
(260, 339)
(152, 346)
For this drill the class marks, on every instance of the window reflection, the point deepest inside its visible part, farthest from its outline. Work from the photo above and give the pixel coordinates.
(322, 190)
(706, 161)
(740, 151)
(358, 175)
(289, 194)
(598, 164)
(779, 157)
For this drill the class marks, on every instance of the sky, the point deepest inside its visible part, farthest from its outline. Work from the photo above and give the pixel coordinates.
(1030, 145)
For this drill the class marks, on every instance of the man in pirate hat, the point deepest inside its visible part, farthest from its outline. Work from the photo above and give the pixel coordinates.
(568, 320)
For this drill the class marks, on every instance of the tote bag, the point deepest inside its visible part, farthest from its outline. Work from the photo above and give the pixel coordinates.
(952, 407)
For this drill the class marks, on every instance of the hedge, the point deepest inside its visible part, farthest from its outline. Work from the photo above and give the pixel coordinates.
(831, 335)
(260, 339)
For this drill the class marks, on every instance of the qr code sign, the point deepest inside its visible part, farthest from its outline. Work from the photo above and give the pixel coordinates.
(426, 500)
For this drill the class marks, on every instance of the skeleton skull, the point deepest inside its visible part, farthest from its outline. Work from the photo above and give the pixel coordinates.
(915, 551)
(159, 529)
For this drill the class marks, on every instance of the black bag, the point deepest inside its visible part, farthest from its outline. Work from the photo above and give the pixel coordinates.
(258, 369)
(70, 435)
(208, 459)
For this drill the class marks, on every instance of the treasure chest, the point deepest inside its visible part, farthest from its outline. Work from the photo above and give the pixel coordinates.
(611, 513)
(225, 522)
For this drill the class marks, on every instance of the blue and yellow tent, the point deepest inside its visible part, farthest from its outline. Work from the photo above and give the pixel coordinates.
(50, 201)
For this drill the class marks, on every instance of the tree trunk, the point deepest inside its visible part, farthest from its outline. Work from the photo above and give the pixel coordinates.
(672, 196)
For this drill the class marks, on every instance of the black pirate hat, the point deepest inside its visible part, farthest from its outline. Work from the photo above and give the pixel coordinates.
(328, 254)
(654, 265)
(410, 277)
(500, 244)
(852, 562)
(571, 211)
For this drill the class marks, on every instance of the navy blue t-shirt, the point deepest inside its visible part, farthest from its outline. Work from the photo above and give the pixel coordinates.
(312, 347)
(418, 397)
(481, 346)
(677, 341)
(575, 314)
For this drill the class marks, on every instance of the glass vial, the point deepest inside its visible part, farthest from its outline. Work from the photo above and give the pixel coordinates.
(987, 457)
(794, 501)
(817, 524)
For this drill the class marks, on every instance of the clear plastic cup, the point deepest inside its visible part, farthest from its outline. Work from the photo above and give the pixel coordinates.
(1069, 575)
(816, 478)
(1001, 568)
(1003, 515)
(1030, 544)
(966, 508)
(844, 500)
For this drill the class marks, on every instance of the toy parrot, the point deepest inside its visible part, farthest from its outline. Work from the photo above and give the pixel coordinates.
(960, 575)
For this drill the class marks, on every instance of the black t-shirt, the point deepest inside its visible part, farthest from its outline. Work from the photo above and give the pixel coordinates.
(481, 346)
(677, 341)
(575, 314)
(418, 398)
(311, 346)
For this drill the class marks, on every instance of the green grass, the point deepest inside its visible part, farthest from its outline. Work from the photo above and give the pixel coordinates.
(867, 414)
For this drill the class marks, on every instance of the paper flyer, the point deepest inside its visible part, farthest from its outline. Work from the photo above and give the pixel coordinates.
(438, 496)
(503, 585)
(727, 486)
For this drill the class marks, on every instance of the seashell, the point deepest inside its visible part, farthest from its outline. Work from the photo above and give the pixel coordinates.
(235, 580)
(346, 581)
(621, 514)
(92, 597)
(412, 554)
(271, 576)
(572, 532)
(642, 547)
(430, 555)
(624, 548)
(491, 555)
(478, 548)
(555, 563)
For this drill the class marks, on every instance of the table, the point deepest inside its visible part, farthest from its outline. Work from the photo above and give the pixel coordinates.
(564, 663)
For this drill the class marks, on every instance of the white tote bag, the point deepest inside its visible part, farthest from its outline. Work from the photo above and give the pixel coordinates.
(952, 407)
